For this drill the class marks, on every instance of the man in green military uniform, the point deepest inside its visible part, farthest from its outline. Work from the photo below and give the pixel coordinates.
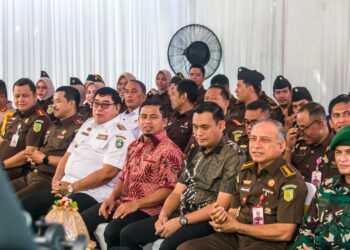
(25, 130)
(327, 223)
(57, 139)
(268, 199)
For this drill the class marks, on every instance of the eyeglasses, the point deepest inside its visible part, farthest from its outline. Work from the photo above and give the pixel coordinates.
(103, 105)
(250, 122)
(301, 130)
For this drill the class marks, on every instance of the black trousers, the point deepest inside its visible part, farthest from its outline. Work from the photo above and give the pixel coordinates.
(141, 233)
(39, 203)
(112, 232)
(30, 183)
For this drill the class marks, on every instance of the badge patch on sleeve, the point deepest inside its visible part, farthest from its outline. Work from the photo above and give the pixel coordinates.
(288, 192)
(119, 143)
(37, 126)
(49, 109)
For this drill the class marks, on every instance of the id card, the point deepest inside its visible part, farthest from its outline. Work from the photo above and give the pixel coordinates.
(258, 215)
(316, 178)
(14, 140)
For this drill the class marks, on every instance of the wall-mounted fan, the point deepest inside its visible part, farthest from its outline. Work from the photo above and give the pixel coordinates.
(194, 44)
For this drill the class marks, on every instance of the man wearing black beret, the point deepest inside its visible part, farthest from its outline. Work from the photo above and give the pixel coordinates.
(248, 90)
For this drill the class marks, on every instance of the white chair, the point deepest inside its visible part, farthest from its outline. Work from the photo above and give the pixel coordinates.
(156, 244)
(311, 190)
(100, 237)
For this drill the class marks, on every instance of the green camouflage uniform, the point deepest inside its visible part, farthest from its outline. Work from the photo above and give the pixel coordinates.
(327, 223)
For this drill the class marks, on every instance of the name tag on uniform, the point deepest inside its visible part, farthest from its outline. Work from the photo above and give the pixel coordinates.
(258, 215)
(102, 137)
(84, 133)
(245, 189)
(14, 140)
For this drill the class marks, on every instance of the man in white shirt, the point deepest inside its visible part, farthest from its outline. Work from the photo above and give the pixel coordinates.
(134, 96)
(87, 172)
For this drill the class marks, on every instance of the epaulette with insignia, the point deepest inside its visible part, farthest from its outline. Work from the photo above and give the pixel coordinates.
(78, 121)
(121, 126)
(40, 112)
(287, 171)
(236, 122)
(247, 165)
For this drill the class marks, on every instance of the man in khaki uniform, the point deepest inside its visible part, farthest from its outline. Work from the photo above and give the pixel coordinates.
(6, 109)
(58, 137)
(25, 130)
(268, 200)
(308, 144)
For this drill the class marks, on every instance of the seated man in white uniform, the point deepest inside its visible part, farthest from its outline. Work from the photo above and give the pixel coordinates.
(88, 170)
(134, 96)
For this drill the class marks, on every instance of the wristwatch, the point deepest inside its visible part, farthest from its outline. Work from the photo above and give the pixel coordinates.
(70, 189)
(46, 160)
(183, 220)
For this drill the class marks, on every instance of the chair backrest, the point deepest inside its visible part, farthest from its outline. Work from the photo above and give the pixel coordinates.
(311, 190)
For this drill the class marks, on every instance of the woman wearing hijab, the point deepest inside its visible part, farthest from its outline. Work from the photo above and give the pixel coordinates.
(163, 78)
(123, 79)
(45, 91)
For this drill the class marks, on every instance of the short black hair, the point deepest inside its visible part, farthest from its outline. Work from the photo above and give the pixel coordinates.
(3, 88)
(141, 84)
(157, 103)
(175, 80)
(23, 82)
(223, 91)
(71, 94)
(259, 104)
(199, 67)
(339, 99)
(190, 88)
(220, 79)
(107, 91)
(211, 107)
(315, 110)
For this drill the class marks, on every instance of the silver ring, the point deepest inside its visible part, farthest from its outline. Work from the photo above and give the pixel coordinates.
(219, 230)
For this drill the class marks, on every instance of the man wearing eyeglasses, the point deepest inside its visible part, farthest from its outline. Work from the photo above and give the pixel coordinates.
(87, 171)
(255, 112)
(308, 144)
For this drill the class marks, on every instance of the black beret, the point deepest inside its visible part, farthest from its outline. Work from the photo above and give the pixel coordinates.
(44, 74)
(252, 77)
(300, 93)
(281, 83)
(219, 79)
(94, 78)
(341, 138)
(75, 81)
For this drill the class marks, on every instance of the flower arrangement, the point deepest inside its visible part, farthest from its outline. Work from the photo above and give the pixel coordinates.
(65, 202)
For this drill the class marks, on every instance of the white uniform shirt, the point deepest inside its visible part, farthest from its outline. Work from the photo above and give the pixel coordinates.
(130, 121)
(93, 146)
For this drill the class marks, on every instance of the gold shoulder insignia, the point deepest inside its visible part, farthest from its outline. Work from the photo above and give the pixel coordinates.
(247, 165)
(40, 112)
(78, 121)
(121, 126)
(287, 171)
(236, 122)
